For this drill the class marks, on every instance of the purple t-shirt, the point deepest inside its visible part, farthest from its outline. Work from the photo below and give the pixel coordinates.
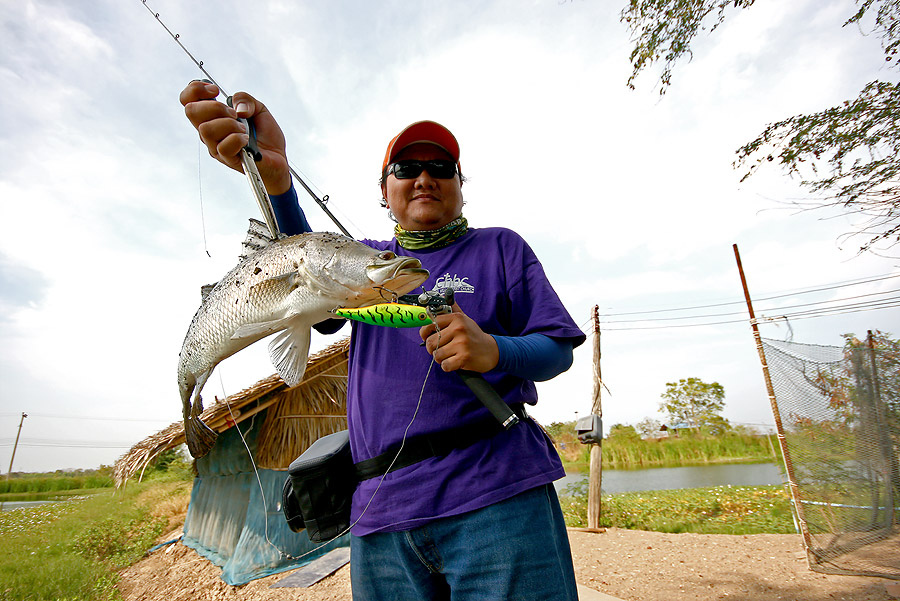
(498, 282)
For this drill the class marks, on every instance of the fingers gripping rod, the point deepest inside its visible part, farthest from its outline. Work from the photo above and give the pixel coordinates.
(250, 154)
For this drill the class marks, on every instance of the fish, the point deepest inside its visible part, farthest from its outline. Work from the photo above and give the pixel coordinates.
(393, 315)
(281, 286)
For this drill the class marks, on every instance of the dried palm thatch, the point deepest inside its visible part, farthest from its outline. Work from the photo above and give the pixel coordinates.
(296, 417)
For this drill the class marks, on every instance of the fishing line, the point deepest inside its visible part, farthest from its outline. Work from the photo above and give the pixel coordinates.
(381, 480)
(176, 36)
(200, 190)
(319, 201)
(262, 493)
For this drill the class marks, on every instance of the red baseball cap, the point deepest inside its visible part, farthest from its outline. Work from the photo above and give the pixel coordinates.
(427, 132)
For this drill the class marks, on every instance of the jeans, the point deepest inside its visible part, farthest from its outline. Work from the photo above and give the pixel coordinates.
(516, 549)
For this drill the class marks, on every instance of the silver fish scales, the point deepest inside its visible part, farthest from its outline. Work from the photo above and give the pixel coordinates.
(284, 286)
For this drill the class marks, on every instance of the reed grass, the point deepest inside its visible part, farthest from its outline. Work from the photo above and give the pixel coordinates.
(43, 483)
(637, 453)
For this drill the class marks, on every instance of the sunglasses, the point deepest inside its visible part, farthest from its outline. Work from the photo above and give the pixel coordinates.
(439, 169)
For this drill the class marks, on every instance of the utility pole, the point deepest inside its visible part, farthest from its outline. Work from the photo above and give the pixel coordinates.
(22, 419)
(596, 473)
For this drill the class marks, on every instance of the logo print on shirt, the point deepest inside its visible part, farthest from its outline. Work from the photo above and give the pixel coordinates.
(455, 283)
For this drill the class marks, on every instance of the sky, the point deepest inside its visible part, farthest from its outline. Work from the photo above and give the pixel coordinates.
(113, 215)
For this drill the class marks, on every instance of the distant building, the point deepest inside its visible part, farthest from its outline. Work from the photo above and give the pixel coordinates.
(671, 430)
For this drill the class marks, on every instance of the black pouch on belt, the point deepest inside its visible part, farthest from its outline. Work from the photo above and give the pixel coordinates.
(319, 488)
(321, 481)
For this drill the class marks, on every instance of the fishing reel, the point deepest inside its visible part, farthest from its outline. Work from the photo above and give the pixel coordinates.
(415, 310)
(436, 302)
(441, 302)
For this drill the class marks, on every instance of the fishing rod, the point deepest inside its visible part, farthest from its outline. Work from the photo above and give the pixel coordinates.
(250, 170)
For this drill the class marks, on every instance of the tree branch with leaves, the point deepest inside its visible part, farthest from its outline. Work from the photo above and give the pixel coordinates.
(848, 156)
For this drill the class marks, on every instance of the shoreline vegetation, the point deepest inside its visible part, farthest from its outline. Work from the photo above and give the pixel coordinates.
(717, 510)
(60, 483)
(624, 449)
(75, 549)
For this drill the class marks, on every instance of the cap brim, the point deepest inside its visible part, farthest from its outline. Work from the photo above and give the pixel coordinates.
(423, 132)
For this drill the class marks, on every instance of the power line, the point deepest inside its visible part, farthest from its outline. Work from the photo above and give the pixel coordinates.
(710, 315)
(90, 418)
(68, 444)
(821, 312)
(797, 311)
(827, 287)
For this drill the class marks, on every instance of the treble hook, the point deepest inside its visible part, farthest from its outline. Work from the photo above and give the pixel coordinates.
(394, 296)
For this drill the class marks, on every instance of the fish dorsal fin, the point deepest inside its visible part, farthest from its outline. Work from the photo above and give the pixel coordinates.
(289, 352)
(205, 290)
(258, 237)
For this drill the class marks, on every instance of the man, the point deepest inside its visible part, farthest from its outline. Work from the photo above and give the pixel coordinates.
(479, 518)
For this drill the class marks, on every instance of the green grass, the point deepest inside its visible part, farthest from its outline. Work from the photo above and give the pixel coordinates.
(718, 510)
(43, 483)
(72, 549)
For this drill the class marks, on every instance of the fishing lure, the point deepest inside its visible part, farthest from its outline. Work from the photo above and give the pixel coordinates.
(392, 315)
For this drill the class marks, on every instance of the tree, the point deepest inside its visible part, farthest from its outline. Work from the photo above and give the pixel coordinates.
(648, 427)
(849, 155)
(865, 398)
(623, 433)
(694, 402)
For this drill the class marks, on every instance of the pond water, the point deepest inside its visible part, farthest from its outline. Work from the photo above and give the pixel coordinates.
(616, 481)
(10, 505)
(663, 478)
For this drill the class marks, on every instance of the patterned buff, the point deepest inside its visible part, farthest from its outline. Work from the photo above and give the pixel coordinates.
(438, 238)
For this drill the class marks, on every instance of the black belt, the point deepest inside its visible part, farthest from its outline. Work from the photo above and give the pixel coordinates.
(436, 444)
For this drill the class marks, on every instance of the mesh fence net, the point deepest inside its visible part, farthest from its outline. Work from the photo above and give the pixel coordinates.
(839, 410)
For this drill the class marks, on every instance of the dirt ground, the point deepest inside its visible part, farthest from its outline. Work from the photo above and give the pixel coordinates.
(632, 565)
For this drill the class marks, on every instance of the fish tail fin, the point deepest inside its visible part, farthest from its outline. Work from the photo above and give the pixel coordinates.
(200, 438)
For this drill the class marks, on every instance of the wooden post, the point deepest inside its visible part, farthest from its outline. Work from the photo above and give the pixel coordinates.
(776, 414)
(9, 472)
(891, 467)
(596, 473)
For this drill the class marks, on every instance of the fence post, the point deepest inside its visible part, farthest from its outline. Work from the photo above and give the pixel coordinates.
(782, 442)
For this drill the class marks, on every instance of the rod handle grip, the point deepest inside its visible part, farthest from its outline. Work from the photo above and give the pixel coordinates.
(489, 398)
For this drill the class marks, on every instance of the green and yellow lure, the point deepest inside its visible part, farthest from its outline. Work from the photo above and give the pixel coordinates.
(392, 315)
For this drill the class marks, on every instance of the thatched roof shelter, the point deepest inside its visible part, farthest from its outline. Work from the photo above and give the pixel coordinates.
(296, 417)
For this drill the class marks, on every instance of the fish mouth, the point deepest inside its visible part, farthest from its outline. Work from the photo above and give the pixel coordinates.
(409, 267)
(407, 275)
(399, 275)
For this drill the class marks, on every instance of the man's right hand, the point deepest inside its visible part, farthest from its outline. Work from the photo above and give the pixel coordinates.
(225, 136)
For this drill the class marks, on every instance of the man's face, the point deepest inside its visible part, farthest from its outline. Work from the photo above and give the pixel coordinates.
(423, 202)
